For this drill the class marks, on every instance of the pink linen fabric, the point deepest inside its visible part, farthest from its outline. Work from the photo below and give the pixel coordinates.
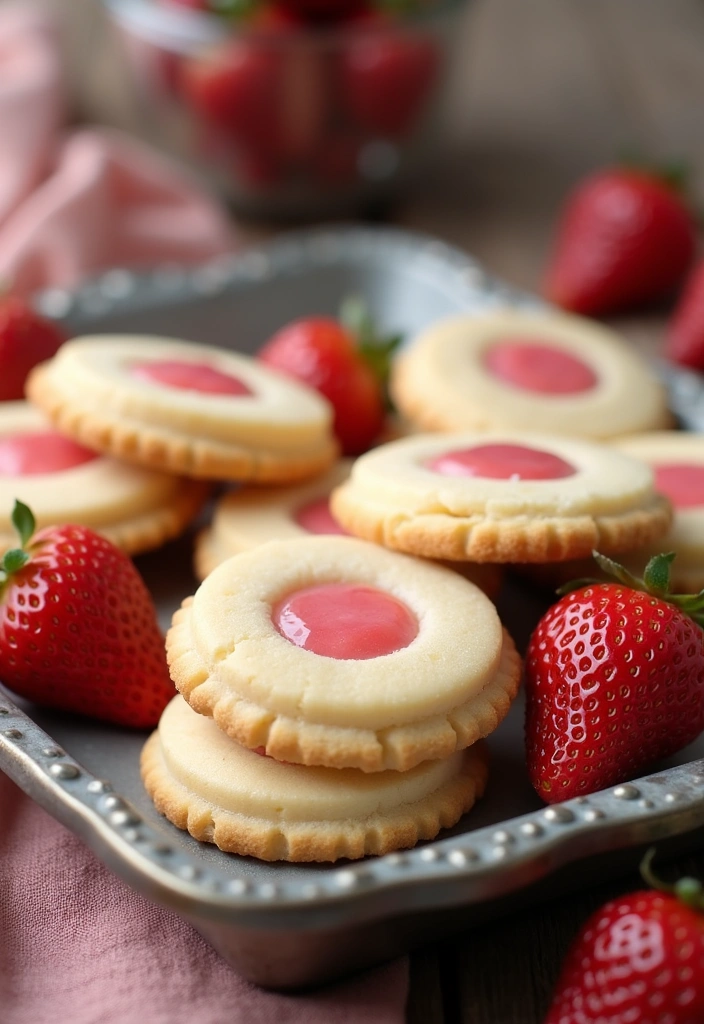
(78, 946)
(74, 204)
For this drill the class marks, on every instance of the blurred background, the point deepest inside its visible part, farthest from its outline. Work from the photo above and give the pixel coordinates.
(537, 94)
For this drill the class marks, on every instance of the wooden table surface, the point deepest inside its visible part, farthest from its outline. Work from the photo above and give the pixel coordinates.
(547, 91)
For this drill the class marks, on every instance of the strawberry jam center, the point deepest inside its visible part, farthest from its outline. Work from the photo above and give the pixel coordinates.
(502, 462)
(682, 483)
(348, 621)
(190, 377)
(41, 452)
(539, 367)
(316, 517)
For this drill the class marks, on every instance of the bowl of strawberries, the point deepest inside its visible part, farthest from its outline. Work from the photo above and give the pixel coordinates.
(291, 108)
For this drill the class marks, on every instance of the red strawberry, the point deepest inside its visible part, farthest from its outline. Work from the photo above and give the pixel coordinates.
(78, 628)
(237, 89)
(322, 10)
(684, 342)
(614, 681)
(385, 79)
(267, 99)
(639, 958)
(625, 239)
(25, 340)
(346, 364)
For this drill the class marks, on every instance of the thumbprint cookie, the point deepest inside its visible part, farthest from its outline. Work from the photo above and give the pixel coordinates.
(246, 518)
(677, 459)
(64, 482)
(185, 408)
(330, 651)
(247, 803)
(535, 370)
(501, 498)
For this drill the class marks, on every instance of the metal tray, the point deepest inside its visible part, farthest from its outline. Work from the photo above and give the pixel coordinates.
(285, 925)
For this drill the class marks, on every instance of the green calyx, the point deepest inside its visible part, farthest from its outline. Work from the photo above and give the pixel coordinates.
(689, 891)
(16, 558)
(674, 174)
(375, 348)
(655, 581)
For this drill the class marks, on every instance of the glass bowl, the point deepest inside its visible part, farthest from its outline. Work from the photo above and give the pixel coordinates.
(289, 121)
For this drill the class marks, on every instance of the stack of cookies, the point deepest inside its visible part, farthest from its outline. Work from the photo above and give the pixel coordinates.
(334, 690)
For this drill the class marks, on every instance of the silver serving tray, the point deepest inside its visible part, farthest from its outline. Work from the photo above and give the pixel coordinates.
(284, 925)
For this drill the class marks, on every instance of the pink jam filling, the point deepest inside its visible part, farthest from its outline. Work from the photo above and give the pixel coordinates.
(316, 517)
(348, 621)
(535, 366)
(190, 377)
(682, 483)
(40, 452)
(502, 462)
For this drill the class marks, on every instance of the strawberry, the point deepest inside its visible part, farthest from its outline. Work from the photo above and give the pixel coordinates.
(322, 10)
(684, 342)
(385, 78)
(236, 88)
(638, 958)
(267, 99)
(345, 362)
(625, 239)
(614, 681)
(26, 338)
(78, 627)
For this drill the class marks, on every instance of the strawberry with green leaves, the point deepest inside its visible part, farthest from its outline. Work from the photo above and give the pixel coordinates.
(638, 958)
(625, 239)
(614, 681)
(78, 628)
(344, 359)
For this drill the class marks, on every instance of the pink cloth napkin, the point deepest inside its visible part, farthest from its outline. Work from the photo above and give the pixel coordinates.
(76, 944)
(79, 947)
(73, 205)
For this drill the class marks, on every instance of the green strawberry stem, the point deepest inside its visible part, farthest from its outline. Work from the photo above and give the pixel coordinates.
(675, 174)
(375, 349)
(655, 581)
(13, 560)
(687, 890)
(233, 10)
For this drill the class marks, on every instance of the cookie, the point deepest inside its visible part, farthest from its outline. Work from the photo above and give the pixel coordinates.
(62, 482)
(243, 519)
(245, 803)
(535, 370)
(189, 409)
(501, 498)
(677, 459)
(330, 651)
